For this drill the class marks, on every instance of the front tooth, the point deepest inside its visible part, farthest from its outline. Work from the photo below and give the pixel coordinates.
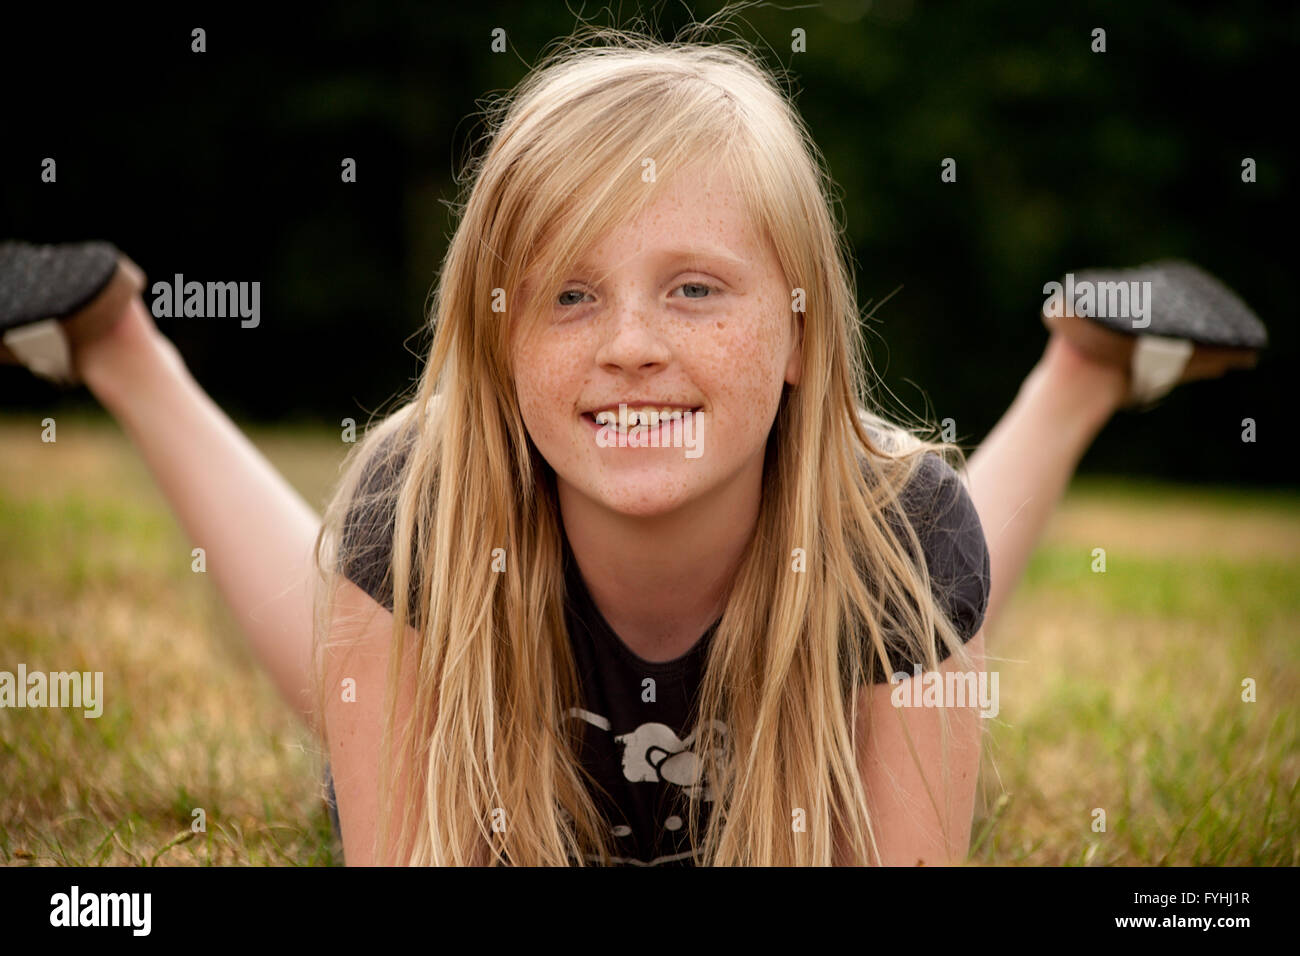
(639, 417)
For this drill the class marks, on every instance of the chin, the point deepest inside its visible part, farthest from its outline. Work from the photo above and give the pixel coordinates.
(646, 498)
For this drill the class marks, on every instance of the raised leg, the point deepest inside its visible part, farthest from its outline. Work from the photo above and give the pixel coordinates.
(257, 531)
(1017, 475)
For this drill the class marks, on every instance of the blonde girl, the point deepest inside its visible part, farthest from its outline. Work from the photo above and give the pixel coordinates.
(523, 643)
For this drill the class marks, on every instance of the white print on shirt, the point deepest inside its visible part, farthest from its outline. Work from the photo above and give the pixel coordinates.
(653, 753)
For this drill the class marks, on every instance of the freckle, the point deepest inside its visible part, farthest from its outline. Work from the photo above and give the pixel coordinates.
(721, 325)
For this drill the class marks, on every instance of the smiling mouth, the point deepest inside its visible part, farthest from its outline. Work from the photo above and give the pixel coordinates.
(639, 420)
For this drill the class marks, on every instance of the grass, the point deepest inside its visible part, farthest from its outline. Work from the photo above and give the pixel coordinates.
(95, 575)
(1121, 691)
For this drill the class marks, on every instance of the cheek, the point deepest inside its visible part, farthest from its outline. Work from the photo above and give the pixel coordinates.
(530, 403)
(529, 385)
(751, 353)
(547, 381)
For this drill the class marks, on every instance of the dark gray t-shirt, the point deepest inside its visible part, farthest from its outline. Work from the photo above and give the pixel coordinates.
(640, 753)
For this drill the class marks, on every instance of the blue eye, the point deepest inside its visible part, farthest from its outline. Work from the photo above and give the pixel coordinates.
(577, 292)
(701, 287)
(696, 285)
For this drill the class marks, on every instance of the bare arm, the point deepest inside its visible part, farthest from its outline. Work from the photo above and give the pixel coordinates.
(906, 806)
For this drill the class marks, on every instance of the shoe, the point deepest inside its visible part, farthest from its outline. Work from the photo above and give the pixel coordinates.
(55, 296)
(1197, 329)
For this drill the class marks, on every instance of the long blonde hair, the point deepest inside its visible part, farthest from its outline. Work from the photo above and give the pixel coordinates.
(494, 672)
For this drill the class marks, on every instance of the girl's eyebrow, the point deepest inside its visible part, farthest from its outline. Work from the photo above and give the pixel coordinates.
(704, 252)
(675, 254)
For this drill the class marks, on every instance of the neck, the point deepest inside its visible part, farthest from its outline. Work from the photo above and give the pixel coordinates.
(661, 581)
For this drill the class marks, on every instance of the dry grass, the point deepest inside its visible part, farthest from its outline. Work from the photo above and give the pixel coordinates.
(1119, 691)
(96, 576)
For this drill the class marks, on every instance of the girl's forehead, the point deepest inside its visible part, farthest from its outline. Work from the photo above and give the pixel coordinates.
(697, 207)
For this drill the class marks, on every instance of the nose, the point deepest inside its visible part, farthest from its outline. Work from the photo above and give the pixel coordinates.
(633, 341)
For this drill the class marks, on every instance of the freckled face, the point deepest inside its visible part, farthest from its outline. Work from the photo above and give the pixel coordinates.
(686, 305)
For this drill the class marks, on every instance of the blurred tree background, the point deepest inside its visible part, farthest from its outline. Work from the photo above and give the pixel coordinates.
(225, 166)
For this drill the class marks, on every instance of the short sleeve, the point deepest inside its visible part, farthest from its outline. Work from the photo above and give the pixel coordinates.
(943, 515)
(366, 547)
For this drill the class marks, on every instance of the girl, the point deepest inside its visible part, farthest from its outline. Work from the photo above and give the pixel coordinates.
(546, 632)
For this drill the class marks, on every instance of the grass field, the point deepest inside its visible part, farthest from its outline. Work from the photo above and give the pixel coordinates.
(1120, 691)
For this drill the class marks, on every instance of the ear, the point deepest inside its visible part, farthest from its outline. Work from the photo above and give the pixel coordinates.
(794, 364)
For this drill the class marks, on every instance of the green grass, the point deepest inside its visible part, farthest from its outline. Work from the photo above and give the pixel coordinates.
(1120, 691)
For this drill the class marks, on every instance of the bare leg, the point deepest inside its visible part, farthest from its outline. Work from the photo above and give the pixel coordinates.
(1017, 475)
(257, 531)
